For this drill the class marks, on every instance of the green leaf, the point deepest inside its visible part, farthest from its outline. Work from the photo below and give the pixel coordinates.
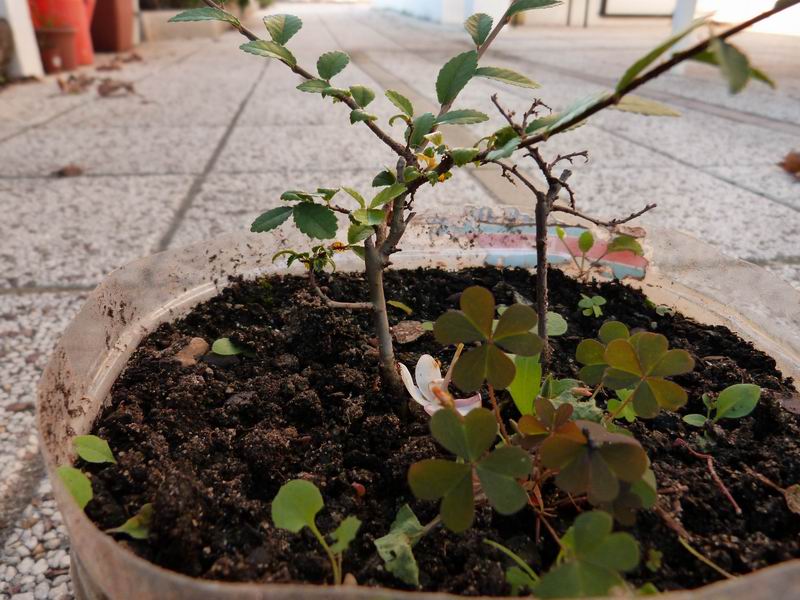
(519, 6)
(384, 178)
(395, 548)
(269, 50)
(625, 243)
(527, 380)
(138, 526)
(271, 219)
(313, 86)
(357, 116)
(435, 478)
(344, 534)
(613, 330)
(454, 75)
(519, 576)
(282, 28)
(388, 194)
(225, 347)
(362, 95)
(649, 58)
(555, 324)
(462, 117)
(93, 449)
(77, 484)
(506, 150)
(485, 363)
(462, 156)
(402, 306)
(711, 59)
(479, 26)
(468, 438)
(315, 220)
(644, 106)
(421, 127)
(695, 420)
(369, 217)
(519, 580)
(498, 474)
(586, 241)
(356, 196)
(506, 76)
(732, 63)
(358, 233)
(296, 505)
(204, 14)
(331, 64)
(578, 580)
(737, 401)
(401, 102)
(453, 327)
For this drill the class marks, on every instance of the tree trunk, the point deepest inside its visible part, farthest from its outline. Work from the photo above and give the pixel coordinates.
(541, 274)
(388, 367)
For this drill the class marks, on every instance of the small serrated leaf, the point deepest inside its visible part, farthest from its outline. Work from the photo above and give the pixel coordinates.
(518, 6)
(362, 95)
(315, 220)
(313, 86)
(644, 106)
(506, 150)
(463, 156)
(454, 75)
(282, 28)
(479, 26)
(506, 76)
(271, 219)
(331, 64)
(269, 50)
(358, 116)
(401, 102)
(420, 128)
(462, 117)
(204, 14)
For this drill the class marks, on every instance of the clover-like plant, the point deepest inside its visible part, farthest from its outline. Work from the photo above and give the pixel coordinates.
(586, 241)
(592, 560)
(453, 482)
(548, 421)
(93, 449)
(641, 363)
(591, 460)
(592, 305)
(734, 402)
(296, 506)
(591, 353)
(475, 323)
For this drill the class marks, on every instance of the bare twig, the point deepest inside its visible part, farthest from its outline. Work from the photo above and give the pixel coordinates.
(334, 303)
(671, 522)
(610, 224)
(681, 443)
(705, 560)
(497, 416)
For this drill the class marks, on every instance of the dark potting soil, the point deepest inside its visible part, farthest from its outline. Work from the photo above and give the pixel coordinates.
(209, 444)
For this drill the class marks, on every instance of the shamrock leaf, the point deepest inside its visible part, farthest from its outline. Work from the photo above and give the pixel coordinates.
(591, 353)
(641, 363)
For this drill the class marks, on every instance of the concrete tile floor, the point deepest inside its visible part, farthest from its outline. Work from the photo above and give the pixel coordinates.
(213, 136)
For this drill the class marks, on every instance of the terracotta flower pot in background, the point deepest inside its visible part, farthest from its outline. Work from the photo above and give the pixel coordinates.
(112, 26)
(67, 14)
(57, 47)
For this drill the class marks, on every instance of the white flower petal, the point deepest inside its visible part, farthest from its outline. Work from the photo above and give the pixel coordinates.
(465, 405)
(426, 374)
(415, 392)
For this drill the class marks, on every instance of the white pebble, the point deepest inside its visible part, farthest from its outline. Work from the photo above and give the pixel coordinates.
(25, 566)
(42, 591)
(59, 592)
(24, 596)
(40, 567)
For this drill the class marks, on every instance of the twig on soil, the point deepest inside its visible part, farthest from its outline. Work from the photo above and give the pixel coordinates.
(680, 442)
(705, 560)
(334, 303)
(670, 522)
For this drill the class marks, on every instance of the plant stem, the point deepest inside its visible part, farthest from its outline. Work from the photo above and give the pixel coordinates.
(542, 212)
(312, 279)
(705, 560)
(498, 418)
(337, 571)
(710, 464)
(388, 367)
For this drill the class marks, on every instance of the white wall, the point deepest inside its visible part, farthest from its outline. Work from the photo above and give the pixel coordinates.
(26, 61)
(727, 11)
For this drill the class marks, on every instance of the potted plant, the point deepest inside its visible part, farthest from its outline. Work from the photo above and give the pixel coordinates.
(275, 434)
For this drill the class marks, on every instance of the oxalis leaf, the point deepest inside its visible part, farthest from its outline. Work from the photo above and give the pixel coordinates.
(77, 484)
(641, 363)
(479, 26)
(396, 547)
(591, 353)
(519, 6)
(93, 449)
(331, 64)
(138, 526)
(269, 50)
(282, 28)
(454, 75)
(204, 14)
(506, 76)
(315, 220)
(594, 557)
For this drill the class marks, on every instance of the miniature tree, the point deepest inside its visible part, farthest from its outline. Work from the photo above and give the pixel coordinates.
(424, 158)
